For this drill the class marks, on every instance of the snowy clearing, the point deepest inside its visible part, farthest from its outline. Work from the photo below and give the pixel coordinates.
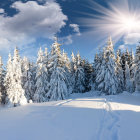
(81, 117)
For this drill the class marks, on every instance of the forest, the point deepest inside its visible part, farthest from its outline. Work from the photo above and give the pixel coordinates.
(54, 76)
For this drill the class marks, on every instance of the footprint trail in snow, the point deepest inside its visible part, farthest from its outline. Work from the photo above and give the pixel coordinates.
(109, 125)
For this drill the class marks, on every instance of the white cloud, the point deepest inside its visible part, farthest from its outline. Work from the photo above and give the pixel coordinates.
(75, 29)
(31, 22)
(132, 38)
(66, 40)
(1, 11)
(122, 47)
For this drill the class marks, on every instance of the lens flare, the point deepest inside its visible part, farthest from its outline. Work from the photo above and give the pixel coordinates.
(117, 19)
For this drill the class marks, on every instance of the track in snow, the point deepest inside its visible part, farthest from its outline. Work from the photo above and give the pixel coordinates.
(109, 125)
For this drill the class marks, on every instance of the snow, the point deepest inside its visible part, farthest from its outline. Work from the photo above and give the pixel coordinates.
(80, 117)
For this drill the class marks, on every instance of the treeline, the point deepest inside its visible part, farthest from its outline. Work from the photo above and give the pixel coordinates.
(54, 76)
(117, 73)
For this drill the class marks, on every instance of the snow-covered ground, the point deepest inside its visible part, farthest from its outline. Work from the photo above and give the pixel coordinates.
(81, 117)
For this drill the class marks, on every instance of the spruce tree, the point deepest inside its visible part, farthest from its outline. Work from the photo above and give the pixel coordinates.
(79, 86)
(106, 79)
(73, 69)
(2, 87)
(8, 76)
(128, 84)
(28, 79)
(100, 73)
(88, 69)
(41, 79)
(137, 68)
(58, 79)
(15, 92)
(119, 72)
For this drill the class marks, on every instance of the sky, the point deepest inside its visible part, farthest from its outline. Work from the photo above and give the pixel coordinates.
(80, 25)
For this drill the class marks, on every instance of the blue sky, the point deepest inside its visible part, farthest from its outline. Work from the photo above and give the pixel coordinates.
(81, 25)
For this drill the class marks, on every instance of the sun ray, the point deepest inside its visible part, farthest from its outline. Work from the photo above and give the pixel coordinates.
(119, 18)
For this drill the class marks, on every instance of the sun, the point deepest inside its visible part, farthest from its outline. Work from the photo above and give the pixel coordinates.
(117, 19)
(129, 23)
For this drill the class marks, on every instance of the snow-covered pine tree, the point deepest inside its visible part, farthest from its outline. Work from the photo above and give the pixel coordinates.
(41, 79)
(137, 68)
(119, 72)
(8, 76)
(128, 82)
(128, 57)
(96, 66)
(15, 92)
(28, 79)
(132, 70)
(132, 64)
(111, 80)
(88, 69)
(106, 79)
(24, 67)
(2, 87)
(73, 69)
(123, 60)
(67, 66)
(100, 72)
(79, 86)
(58, 84)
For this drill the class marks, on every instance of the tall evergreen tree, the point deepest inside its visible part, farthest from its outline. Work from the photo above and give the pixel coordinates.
(2, 87)
(119, 72)
(15, 92)
(96, 67)
(123, 62)
(88, 69)
(41, 79)
(137, 68)
(100, 73)
(73, 69)
(79, 75)
(8, 77)
(106, 79)
(128, 82)
(28, 79)
(58, 84)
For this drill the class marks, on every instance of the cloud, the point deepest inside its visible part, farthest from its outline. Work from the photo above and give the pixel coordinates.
(132, 39)
(1, 11)
(68, 40)
(76, 29)
(32, 21)
(122, 47)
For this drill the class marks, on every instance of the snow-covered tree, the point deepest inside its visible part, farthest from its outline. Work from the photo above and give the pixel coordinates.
(2, 87)
(41, 79)
(73, 68)
(119, 72)
(8, 77)
(67, 67)
(123, 62)
(15, 92)
(79, 86)
(106, 79)
(100, 73)
(137, 68)
(128, 57)
(132, 70)
(128, 84)
(96, 66)
(88, 69)
(28, 79)
(58, 84)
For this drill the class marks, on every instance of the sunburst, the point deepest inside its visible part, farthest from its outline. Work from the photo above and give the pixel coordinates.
(119, 19)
